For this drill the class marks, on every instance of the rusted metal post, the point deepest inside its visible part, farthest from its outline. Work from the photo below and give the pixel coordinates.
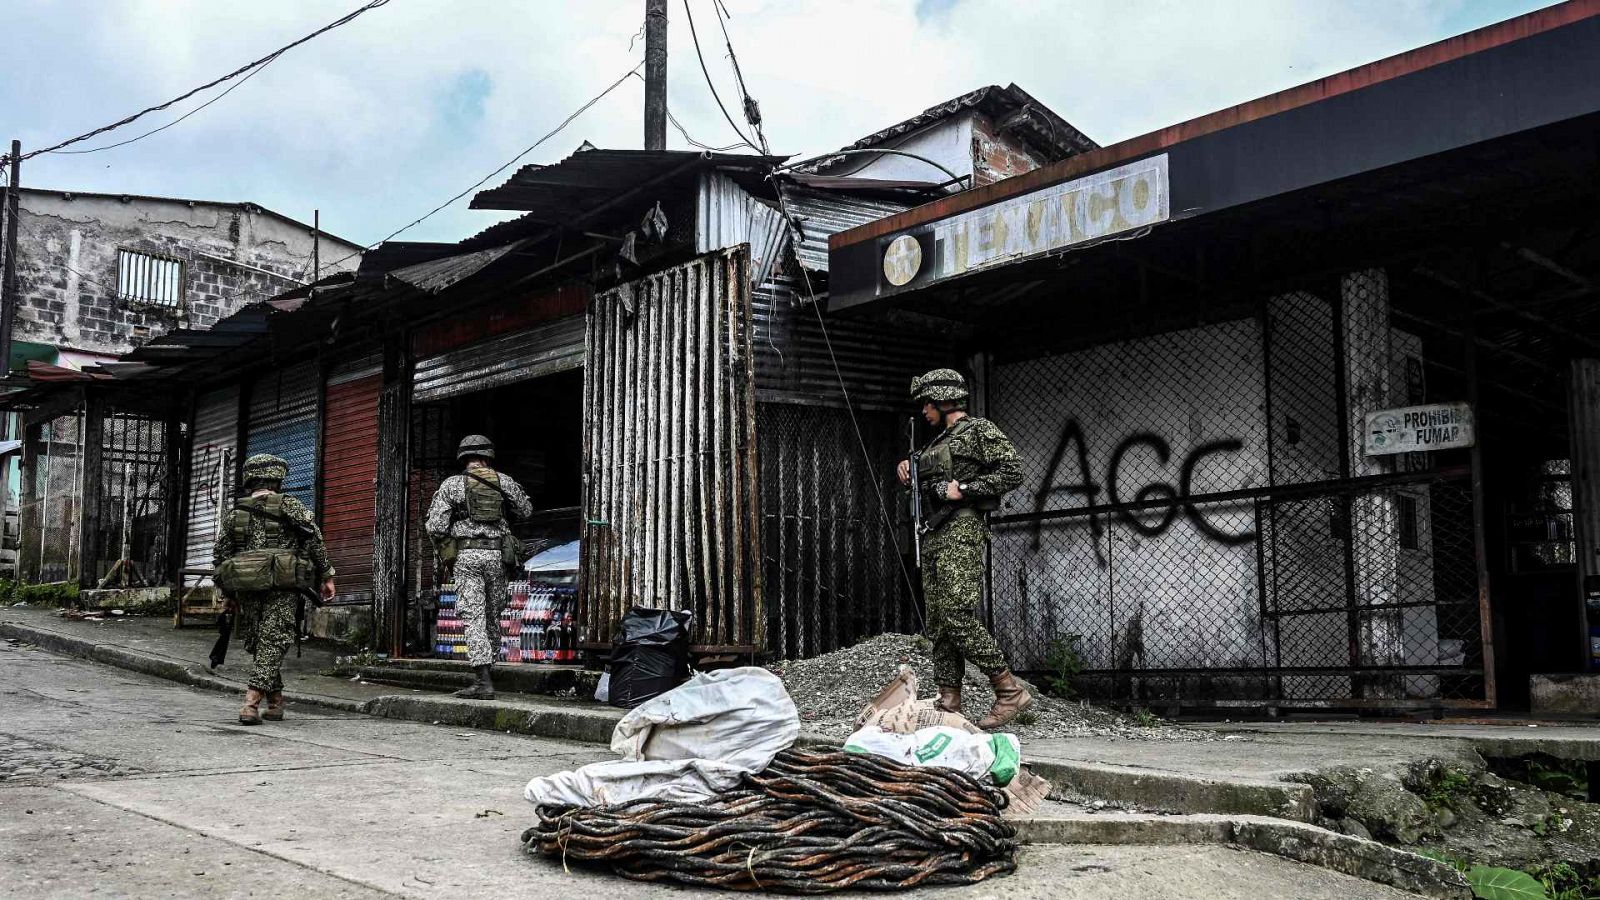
(393, 484)
(655, 74)
(1583, 428)
(92, 460)
(8, 279)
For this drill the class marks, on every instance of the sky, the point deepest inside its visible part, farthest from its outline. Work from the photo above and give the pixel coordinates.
(378, 122)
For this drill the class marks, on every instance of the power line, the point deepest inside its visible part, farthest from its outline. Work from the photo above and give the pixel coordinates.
(231, 89)
(694, 143)
(709, 83)
(508, 164)
(248, 67)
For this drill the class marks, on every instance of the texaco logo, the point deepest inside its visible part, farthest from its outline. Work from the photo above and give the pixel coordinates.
(901, 260)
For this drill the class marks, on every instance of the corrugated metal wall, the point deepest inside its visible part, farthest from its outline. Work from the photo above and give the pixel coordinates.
(542, 350)
(283, 422)
(727, 216)
(877, 360)
(211, 472)
(671, 501)
(349, 475)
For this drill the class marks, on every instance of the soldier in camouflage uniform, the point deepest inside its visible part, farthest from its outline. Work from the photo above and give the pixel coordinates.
(269, 520)
(964, 471)
(468, 518)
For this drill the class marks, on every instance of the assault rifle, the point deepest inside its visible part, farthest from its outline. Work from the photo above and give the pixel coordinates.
(916, 493)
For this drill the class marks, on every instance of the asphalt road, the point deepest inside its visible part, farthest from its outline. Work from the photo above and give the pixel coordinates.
(120, 785)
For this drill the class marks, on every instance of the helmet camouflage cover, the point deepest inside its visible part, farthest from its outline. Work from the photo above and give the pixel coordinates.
(475, 445)
(939, 385)
(265, 467)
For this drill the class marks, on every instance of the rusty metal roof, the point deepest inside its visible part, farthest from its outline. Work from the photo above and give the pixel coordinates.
(589, 179)
(820, 215)
(1011, 108)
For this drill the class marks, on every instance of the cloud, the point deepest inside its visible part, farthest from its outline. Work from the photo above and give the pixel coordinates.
(379, 121)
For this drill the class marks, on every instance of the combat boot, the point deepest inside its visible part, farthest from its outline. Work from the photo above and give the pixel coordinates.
(482, 687)
(949, 699)
(250, 713)
(1011, 699)
(274, 710)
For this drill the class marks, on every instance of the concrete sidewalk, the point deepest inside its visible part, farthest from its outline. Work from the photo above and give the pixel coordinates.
(1248, 770)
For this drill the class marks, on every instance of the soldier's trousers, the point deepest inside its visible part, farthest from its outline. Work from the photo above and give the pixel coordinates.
(481, 594)
(268, 630)
(952, 588)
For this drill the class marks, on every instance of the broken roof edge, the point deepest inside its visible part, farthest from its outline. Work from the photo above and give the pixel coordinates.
(242, 205)
(578, 171)
(1055, 134)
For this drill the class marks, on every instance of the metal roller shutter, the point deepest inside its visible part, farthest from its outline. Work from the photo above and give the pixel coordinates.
(283, 422)
(211, 472)
(542, 350)
(349, 476)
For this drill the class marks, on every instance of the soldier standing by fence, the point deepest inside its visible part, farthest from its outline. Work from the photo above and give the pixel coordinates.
(964, 472)
(269, 558)
(467, 521)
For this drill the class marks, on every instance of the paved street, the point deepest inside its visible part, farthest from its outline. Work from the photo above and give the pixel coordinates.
(119, 785)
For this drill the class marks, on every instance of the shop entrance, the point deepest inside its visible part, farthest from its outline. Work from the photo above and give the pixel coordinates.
(536, 426)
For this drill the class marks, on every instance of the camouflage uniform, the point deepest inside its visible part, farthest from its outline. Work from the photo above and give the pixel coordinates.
(480, 575)
(986, 465)
(267, 618)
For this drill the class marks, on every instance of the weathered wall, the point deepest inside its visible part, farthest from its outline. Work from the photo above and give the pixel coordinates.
(996, 156)
(67, 264)
(947, 142)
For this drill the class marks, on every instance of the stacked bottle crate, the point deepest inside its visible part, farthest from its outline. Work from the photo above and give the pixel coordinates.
(449, 640)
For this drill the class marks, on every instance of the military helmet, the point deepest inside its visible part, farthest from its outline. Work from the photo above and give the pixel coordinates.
(939, 385)
(265, 467)
(475, 445)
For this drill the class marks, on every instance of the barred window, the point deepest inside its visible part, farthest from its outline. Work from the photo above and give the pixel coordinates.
(146, 278)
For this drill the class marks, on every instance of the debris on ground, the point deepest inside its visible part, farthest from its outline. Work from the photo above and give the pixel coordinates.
(832, 689)
(809, 823)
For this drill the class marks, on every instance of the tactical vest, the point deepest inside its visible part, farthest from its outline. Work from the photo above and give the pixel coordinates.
(936, 465)
(485, 503)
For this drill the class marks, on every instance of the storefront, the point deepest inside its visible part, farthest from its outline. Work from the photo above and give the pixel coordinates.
(1292, 383)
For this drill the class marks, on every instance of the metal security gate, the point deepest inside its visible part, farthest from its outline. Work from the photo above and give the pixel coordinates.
(670, 500)
(538, 351)
(349, 475)
(131, 536)
(283, 422)
(1200, 524)
(214, 462)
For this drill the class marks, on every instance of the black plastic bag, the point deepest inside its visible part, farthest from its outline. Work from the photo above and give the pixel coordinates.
(649, 654)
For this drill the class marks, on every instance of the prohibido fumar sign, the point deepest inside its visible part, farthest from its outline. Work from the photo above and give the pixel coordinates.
(1409, 429)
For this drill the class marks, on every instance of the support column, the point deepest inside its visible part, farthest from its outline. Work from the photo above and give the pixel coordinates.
(1374, 517)
(93, 432)
(393, 484)
(1583, 426)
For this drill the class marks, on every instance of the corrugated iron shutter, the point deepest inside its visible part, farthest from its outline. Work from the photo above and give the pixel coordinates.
(670, 503)
(349, 475)
(211, 472)
(542, 350)
(283, 422)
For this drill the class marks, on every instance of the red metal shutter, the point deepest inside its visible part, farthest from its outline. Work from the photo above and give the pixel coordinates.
(349, 478)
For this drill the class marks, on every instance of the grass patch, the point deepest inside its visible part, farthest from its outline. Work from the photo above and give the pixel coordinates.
(43, 596)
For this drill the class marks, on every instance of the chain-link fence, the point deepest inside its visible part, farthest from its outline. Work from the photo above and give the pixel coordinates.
(51, 500)
(1203, 521)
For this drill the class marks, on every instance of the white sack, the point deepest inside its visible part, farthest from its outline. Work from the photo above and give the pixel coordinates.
(945, 747)
(688, 744)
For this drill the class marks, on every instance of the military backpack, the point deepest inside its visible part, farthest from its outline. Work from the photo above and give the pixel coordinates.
(280, 568)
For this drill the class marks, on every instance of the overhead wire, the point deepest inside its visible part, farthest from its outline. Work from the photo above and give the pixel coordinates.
(250, 67)
(695, 37)
(506, 165)
(231, 88)
(753, 115)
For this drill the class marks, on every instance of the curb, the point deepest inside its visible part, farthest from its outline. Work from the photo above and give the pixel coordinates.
(1295, 841)
(1174, 792)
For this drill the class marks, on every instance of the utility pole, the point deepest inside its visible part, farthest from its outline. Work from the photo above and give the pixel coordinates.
(655, 74)
(8, 277)
(316, 246)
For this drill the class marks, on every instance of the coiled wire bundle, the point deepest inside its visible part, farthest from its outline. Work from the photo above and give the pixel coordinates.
(809, 824)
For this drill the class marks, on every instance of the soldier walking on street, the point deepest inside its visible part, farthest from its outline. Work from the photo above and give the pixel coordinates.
(467, 521)
(964, 472)
(269, 556)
